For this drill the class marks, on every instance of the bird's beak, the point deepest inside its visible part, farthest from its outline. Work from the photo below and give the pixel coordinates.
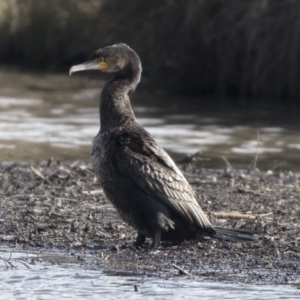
(89, 65)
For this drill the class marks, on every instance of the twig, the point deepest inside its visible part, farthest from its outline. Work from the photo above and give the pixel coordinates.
(95, 192)
(7, 261)
(24, 264)
(32, 217)
(53, 207)
(247, 191)
(101, 233)
(228, 164)
(54, 214)
(39, 174)
(257, 148)
(190, 158)
(238, 215)
(277, 165)
(181, 271)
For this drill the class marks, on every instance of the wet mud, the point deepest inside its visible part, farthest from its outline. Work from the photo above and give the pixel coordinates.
(58, 208)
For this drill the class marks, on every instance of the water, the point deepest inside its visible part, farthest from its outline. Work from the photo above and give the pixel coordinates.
(57, 116)
(44, 281)
(45, 116)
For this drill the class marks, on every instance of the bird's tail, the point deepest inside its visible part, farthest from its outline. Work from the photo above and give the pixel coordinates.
(235, 234)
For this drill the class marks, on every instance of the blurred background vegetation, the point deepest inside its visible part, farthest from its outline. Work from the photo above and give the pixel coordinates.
(245, 51)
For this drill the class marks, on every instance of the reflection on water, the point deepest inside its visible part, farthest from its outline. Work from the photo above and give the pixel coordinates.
(60, 121)
(40, 280)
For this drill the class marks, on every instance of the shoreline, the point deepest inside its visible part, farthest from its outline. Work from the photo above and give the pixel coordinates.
(59, 207)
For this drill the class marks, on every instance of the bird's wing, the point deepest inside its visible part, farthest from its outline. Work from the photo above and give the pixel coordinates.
(152, 169)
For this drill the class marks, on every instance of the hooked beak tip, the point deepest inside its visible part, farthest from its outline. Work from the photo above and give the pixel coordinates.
(83, 67)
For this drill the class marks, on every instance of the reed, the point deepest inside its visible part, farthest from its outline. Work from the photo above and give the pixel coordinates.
(228, 48)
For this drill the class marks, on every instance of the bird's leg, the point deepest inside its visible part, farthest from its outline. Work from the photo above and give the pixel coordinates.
(156, 239)
(140, 239)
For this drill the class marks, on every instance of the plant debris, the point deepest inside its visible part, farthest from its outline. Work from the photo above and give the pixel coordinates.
(52, 206)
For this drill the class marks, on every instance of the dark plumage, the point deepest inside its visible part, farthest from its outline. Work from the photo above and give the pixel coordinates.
(137, 176)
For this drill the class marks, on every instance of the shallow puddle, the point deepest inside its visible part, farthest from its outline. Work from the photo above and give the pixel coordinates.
(38, 276)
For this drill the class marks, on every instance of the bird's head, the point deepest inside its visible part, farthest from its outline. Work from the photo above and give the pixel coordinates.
(110, 59)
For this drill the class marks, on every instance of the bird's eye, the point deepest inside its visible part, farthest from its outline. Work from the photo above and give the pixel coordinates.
(99, 59)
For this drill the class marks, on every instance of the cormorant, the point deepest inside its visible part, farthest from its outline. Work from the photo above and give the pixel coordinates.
(137, 176)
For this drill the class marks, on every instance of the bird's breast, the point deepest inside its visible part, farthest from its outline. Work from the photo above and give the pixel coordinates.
(103, 149)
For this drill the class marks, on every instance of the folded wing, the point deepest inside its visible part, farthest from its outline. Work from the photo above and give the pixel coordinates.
(151, 168)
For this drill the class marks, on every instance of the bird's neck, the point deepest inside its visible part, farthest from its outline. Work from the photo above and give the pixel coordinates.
(115, 107)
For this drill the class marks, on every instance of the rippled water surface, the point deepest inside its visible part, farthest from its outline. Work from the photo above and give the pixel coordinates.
(57, 116)
(39, 280)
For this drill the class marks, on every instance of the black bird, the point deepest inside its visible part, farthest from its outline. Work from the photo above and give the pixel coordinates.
(137, 176)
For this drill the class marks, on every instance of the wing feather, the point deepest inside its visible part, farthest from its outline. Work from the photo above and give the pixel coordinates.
(151, 168)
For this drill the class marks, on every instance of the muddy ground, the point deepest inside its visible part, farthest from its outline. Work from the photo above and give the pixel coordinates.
(58, 208)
